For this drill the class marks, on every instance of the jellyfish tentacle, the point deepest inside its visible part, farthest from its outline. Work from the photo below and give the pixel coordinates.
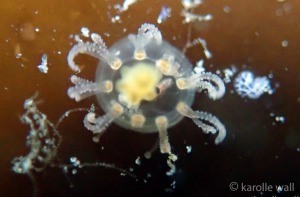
(164, 144)
(214, 91)
(149, 31)
(96, 49)
(146, 33)
(206, 121)
(204, 81)
(168, 65)
(84, 88)
(113, 61)
(162, 124)
(213, 120)
(98, 124)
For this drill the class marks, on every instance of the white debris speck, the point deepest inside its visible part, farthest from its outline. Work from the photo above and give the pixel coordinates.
(173, 184)
(74, 171)
(280, 119)
(199, 68)
(18, 55)
(138, 161)
(226, 9)
(188, 149)
(36, 29)
(191, 17)
(228, 73)
(85, 32)
(115, 19)
(164, 14)
(284, 43)
(106, 34)
(188, 4)
(74, 161)
(43, 66)
(126, 4)
(298, 149)
(77, 38)
(65, 169)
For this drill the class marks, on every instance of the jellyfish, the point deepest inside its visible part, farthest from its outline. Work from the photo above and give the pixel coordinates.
(146, 85)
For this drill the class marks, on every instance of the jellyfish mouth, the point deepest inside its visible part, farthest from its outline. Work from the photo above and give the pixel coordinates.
(138, 83)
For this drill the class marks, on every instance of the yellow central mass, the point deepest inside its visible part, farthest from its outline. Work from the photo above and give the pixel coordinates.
(138, 83)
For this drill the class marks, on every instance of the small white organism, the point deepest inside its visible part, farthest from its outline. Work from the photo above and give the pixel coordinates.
(247, 85)
(43, 66)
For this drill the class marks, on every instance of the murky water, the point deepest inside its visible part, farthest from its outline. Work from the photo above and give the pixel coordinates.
(255, 35)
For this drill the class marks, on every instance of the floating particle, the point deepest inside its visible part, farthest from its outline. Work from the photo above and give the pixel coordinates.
(116, 19)
(247, 85)
(173, 184)
(74, 171)
(85, 32)
(164, 14)
(107, 34)
(228, 73)
(126, 4)
(188, 149)
(138, 161)
(188, 4)
(17, 51)
(77, 38)
(191, 17)
(199, 68)
(284, 43)
(226, 9)
(65, 169)
(280, 119)
(43, 66)
(73, 159)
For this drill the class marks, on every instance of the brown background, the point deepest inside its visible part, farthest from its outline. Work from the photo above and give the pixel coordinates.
(256, 149)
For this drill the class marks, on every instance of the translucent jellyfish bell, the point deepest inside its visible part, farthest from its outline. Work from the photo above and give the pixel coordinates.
(165, 92)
